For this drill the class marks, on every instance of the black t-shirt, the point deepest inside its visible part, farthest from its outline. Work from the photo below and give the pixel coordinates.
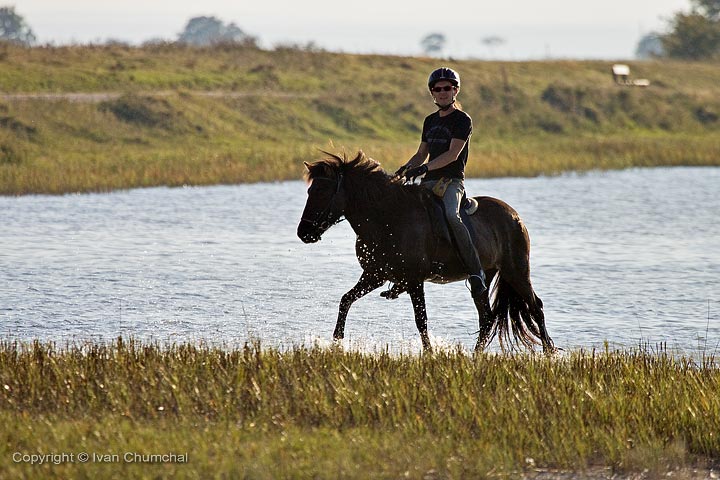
(437, 132)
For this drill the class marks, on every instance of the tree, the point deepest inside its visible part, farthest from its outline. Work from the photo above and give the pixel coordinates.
(491, 42)
(708, 8)
(205, 31)
(13, 28)
(695, 35)
(433, 43)
(650, 46)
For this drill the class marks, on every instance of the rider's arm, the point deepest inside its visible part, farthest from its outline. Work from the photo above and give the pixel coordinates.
(456, 146)
(419, 157)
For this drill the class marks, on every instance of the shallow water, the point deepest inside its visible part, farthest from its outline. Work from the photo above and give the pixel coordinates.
(629, 257)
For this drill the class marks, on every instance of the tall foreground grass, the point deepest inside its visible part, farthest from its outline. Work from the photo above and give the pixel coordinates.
(327, 413)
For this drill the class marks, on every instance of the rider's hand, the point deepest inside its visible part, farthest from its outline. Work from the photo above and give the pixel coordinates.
(401, 171)
(413, 173)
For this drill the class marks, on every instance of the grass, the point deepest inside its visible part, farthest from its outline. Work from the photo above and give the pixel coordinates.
(179, 115)
(326, 413)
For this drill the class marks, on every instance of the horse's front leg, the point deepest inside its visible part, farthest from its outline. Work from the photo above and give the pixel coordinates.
(367, 283)
(417, 295)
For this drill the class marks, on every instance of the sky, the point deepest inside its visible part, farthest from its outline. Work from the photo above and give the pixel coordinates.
(530, 29)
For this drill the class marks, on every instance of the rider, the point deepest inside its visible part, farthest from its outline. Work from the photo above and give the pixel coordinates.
(445, 137)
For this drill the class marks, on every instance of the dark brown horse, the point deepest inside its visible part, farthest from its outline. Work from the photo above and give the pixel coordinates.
(396, 242)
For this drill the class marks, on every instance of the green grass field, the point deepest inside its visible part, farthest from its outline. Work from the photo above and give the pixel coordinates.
(325, 413)
(186, 116)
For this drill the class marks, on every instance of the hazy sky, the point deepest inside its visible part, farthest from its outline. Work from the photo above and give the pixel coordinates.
(531, 29)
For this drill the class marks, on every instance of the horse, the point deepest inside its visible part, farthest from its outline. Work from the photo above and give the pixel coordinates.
(397, 242)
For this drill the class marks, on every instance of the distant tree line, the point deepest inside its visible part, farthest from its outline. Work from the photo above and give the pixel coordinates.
(206, 31)
(200, 31)
(693, 35)
(13, 28)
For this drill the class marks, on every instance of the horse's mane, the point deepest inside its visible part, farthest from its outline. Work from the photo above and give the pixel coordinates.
(365, 179)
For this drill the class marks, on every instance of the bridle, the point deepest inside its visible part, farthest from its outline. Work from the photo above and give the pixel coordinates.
(322, 220)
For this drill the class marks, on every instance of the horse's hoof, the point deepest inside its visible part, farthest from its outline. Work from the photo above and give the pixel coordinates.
(390, 294)
(550, 350)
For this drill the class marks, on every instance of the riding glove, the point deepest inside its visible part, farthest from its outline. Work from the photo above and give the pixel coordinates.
(413, 173)
(400, 172)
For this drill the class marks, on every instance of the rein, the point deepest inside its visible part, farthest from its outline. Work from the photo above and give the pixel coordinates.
(322, 221)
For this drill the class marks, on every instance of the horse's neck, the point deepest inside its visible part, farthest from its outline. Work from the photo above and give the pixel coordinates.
(377, 217)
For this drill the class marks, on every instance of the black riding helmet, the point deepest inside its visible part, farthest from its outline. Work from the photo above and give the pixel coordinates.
(443, 73)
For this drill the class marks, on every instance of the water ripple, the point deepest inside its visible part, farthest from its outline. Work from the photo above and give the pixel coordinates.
(627, 257)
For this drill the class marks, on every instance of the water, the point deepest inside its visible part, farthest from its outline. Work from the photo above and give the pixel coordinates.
(628, 257)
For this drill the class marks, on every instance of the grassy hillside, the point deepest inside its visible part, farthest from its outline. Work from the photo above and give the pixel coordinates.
(176, 115)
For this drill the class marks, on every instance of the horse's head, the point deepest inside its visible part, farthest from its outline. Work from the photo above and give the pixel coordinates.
(326, 199)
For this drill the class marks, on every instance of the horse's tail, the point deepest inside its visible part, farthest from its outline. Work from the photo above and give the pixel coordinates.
(514, 320)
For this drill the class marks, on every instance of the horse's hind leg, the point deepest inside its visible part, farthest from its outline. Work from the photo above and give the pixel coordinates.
(485, 315)
(367, 283)
(417, 295)
(536, 309)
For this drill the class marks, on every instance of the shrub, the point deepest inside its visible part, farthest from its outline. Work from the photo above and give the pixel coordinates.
(10, 155)
(143, 111)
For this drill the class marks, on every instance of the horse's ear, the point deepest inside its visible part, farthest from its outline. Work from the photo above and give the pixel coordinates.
(307, 165)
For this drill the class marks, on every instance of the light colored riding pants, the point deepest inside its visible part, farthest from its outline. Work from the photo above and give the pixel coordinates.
(451, 202)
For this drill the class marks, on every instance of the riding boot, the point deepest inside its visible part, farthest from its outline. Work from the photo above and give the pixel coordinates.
(468, 255)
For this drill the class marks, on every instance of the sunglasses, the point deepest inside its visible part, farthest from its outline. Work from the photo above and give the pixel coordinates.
(446, 88)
